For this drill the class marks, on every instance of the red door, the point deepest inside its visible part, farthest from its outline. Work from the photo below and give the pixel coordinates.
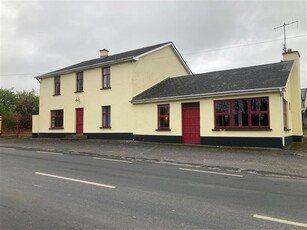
(79, 121)
(190, 123)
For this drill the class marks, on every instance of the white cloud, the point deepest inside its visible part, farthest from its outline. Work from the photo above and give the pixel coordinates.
(41, 36)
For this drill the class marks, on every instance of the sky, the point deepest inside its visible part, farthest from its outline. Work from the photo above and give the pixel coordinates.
(41, 36)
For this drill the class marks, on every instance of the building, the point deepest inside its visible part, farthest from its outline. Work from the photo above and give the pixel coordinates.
(304, 106)
(92, 97)
(150, 94)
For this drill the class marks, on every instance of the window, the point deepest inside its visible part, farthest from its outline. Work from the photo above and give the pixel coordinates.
(285, 114)
(79, 80)
(57, 118)
(222, 113)
(106, 116)
(163, 117)
(106, 78)
(259, 112)
(242, 113)
(57, 85)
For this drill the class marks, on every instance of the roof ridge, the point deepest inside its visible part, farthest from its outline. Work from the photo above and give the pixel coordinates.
(234, 69)
(111, 59)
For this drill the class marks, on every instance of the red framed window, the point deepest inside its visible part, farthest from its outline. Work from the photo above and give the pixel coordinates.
(57, 85)
(79, 81)
(57, 118)
(106, 116)
(106, 78)
(242, 113)
(163, 117)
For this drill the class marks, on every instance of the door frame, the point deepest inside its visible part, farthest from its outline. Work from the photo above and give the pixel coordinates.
(184, 106)
(77, 109)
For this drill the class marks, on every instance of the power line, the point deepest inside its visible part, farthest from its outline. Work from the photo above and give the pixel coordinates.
(194, 52)
(247, 44)
(18, 74)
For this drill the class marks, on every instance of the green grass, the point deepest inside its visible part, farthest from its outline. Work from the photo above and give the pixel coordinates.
(305, 132)
(300, 146)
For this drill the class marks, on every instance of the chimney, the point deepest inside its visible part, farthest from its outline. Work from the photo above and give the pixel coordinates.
(291, 55)
(104, 53)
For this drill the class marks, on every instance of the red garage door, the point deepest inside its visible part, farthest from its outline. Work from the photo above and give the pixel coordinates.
(190, 123)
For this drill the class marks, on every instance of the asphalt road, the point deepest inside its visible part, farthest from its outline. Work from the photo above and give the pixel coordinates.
(41, 190)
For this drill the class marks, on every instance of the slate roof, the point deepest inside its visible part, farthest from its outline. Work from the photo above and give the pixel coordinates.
(112, 59)
(254, 78)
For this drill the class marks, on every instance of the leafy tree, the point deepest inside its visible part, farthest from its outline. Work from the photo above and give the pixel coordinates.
(7, 102)
(27, 103)
(21, 102)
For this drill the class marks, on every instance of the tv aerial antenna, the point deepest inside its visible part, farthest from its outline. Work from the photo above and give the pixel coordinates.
(285, 39)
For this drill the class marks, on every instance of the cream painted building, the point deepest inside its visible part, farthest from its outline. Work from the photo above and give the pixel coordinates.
(93, 97)
(137, 95)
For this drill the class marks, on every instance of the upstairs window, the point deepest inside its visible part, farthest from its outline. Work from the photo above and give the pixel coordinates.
(79, 81)
(57, 85)
(106, 78)
(106, 116)
(57, 118)
(242, 113)
(163, 117)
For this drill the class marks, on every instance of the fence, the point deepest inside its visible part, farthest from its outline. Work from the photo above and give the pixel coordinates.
(16, 125)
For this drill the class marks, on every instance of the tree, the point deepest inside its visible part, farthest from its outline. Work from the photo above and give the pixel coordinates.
(21, 102)
(7, 102)
(27, 103)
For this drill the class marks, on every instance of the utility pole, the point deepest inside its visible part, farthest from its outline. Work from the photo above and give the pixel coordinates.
(284, 26)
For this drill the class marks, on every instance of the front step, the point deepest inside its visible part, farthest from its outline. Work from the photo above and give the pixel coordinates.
(74, 137)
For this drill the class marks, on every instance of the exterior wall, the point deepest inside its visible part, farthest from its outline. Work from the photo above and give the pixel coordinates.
(126, 79)
(35, 127)
(151, 69)
(146, 118)
(293, 95)
(92, 100)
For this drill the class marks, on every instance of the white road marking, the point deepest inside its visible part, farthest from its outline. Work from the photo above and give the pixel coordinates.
(108, 159)
(218, 173)
(7, 148)
(280, 221)
(178, 164)
(75, 180)
(52, 153)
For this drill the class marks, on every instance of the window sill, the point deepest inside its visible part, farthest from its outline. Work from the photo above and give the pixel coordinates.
(287, 129)
(79, 91)
(103, 88)
(57, 128)
(105, 127)
(56, 94)
(163, 129)
(242, 129)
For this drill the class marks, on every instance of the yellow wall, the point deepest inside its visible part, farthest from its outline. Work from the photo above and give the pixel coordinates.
(35, 124)
(126, 79)
(146, 121)
(151, 69)
(293, 95)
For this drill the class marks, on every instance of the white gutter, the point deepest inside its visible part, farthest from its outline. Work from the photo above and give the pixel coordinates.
(205, 95)
(85, 67)
(282, 117)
